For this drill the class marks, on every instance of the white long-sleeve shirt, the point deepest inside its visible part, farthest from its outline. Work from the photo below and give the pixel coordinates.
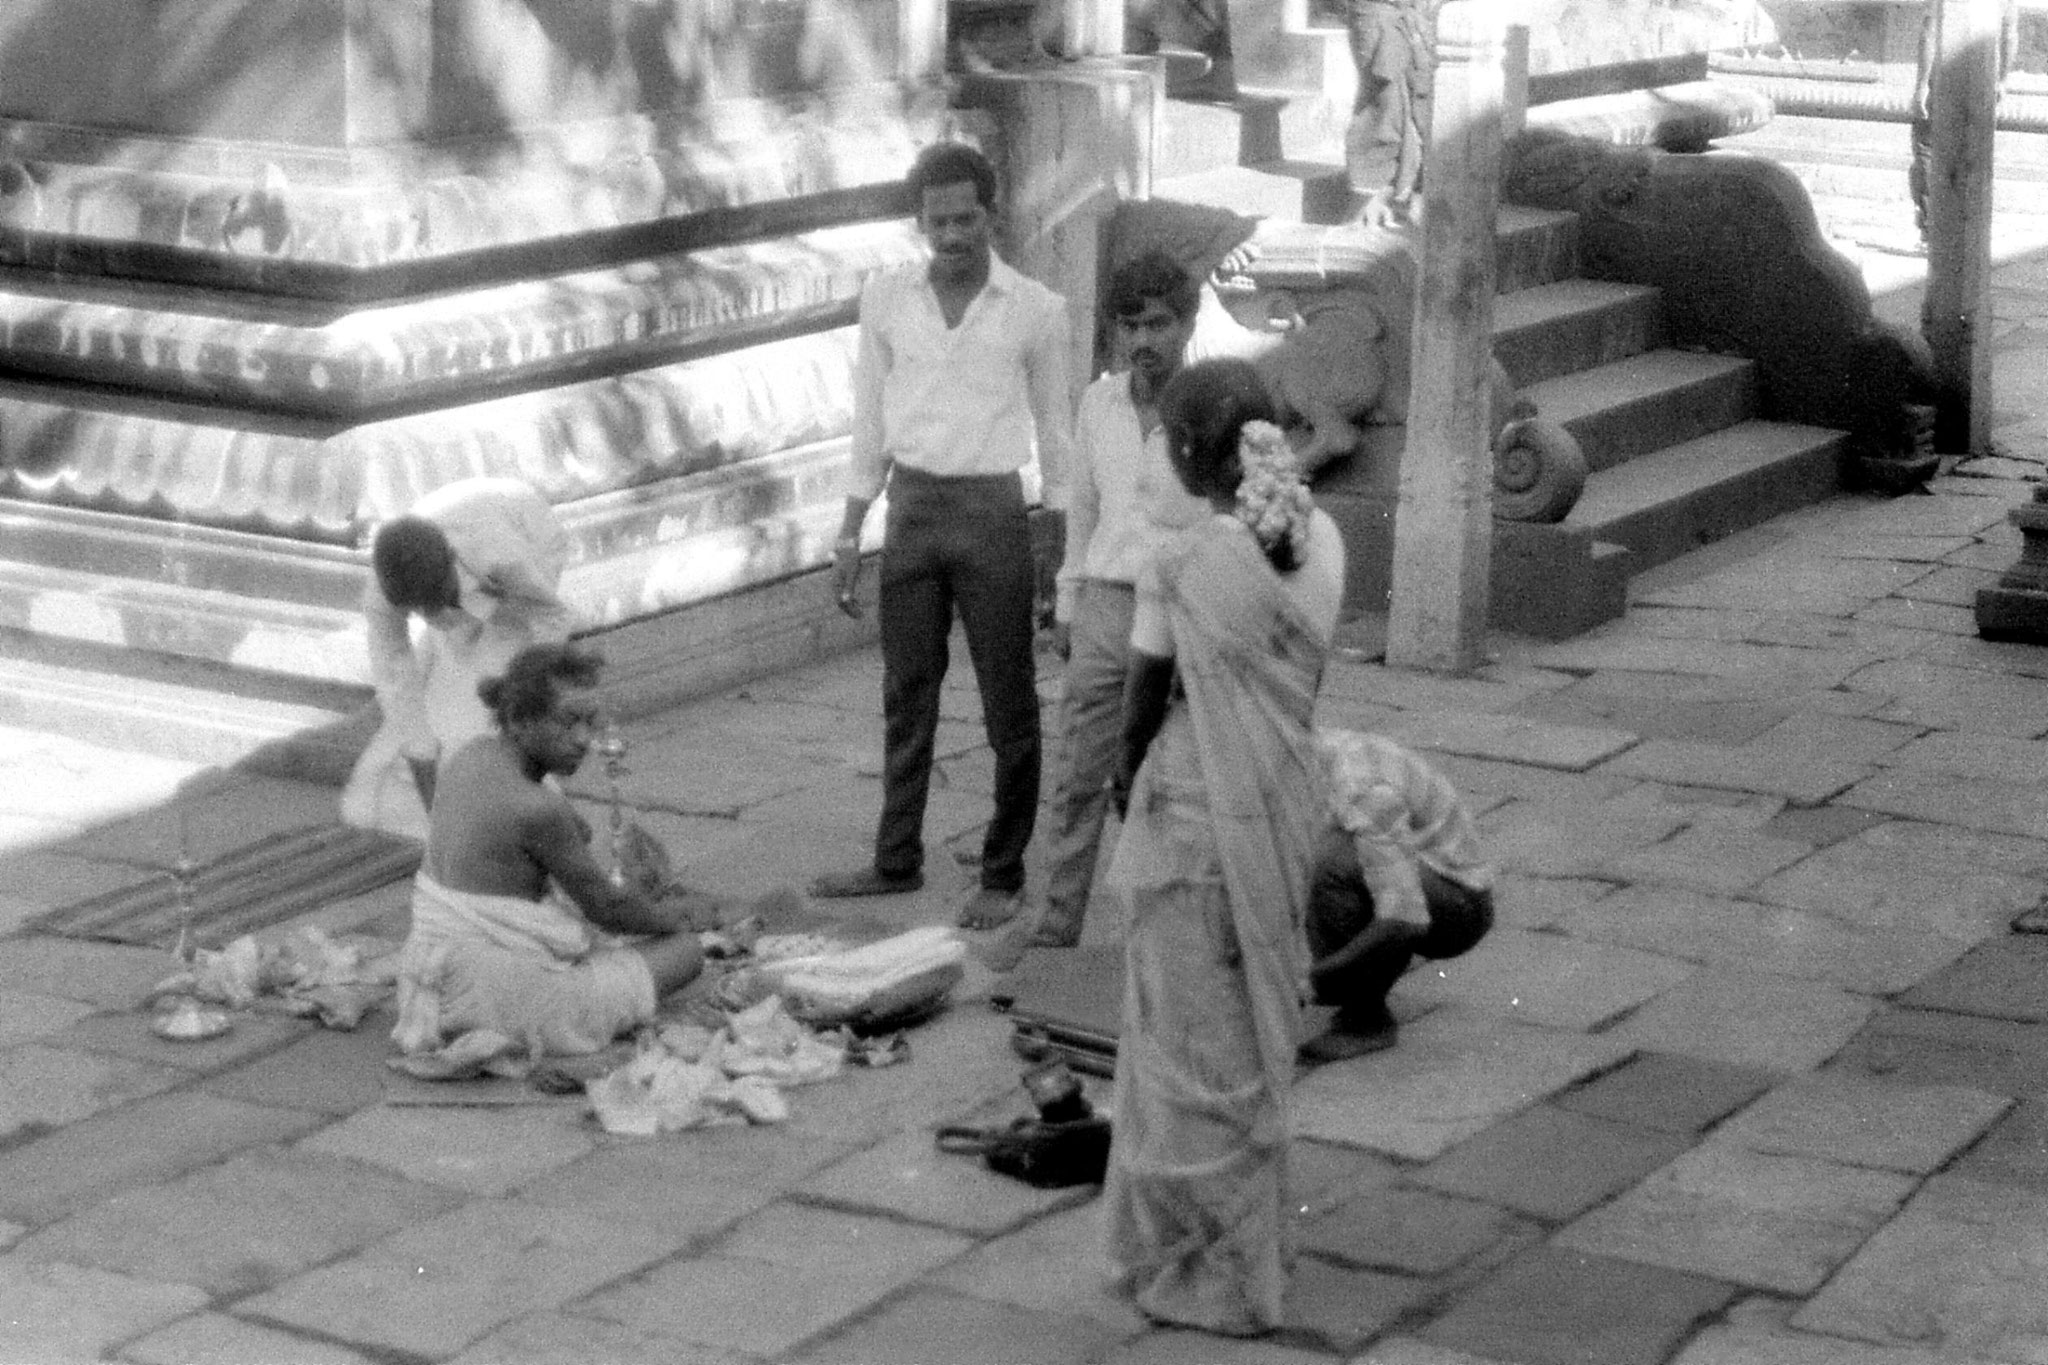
(979, 398)
(510, 551)
(1123, 499)
(1401, 814)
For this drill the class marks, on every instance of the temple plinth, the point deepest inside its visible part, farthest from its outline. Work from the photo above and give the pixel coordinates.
(268, 276)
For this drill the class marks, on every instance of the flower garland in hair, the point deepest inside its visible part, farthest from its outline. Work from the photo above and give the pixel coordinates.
(1271, 498)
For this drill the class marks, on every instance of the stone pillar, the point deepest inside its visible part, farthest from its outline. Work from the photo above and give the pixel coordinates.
(921, 39)
(1957, 314)
(2016, 607)
(1443, 528)
(1092, 28)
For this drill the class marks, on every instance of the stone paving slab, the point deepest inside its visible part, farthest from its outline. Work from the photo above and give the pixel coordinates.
(907, 1176)
(1510, 739)
(2014, 1151)
(1819, 826)
(1946, 697)
(1407, 1231)
(1939, 798)
(213, 816)
(820, 1267)
(1774, 938)
(1928, 1047)
(326, 1071)
(218, 1339)
(42, 1086)
(137, 1143)
(1761, 670)
(1747, 1018)
(2002, 978)
(59, 1312)
(267, 1216)
(1556, 838)
(1714, 722)
(1964, 754)
(1817, 580)
(479, 1151)
(26, 1014)
(1855, 1121)
(1962, 649)
(1551, 1163)
(127, 1034)
(1708, 857)
(110, 975)
(932, 1325)
(653, 1181)
(1667, 1092)
(1736, 1346)
(1780, 1223)
(1545, 979)
(1452, 1076)
(552, 1338)
(433, 1288)
(1477, 778)
(1338, 1308)
(1758, 767)
(1408, 689)
(1933, 617)
(1543, 902)
(1054, 1264)
(1961, 1268)
(1951, 585)
(1913, 877)
(1554, 1307)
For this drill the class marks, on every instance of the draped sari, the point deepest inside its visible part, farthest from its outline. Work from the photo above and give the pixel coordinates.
(1214, 864)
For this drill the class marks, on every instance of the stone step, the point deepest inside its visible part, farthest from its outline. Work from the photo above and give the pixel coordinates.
(255, 605)
(1555, 329)
(1200, 135)
(1629, 407)
(1672, 501)
(146, 714)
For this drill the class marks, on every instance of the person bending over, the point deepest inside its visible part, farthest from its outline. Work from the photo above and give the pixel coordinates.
(1398, 875)
(512, 915)
(479, 562)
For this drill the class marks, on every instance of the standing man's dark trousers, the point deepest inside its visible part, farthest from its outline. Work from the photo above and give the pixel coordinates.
(957, 543)
(1356, 957)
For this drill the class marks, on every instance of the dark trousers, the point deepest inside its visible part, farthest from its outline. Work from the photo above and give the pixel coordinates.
(1340, 911)
(957, 544)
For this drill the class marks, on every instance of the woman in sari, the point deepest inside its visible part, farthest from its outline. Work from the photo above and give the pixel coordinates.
(1222, 804)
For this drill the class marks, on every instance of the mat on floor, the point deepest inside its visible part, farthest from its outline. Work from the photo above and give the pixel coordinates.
(249, 888)
(1068, 1003)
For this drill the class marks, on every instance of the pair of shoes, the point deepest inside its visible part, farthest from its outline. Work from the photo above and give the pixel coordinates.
(865, 881)
(989, 908)
(1342, 1044)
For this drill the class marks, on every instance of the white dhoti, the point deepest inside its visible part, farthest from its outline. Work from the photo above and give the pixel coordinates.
(532, 971)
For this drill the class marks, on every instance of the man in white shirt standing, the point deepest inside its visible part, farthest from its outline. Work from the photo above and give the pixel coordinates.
(961, 377)
(1123, 502)
(479, 561)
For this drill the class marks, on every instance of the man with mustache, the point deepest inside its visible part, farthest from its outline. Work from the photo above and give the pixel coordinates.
(961, 378)
(1123, 502)
(512, 915)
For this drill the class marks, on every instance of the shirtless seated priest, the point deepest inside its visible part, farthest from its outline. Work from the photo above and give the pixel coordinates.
(512, 916)
(1398, 875)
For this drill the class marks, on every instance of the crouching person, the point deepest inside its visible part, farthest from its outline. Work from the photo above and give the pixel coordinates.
(511, 912)
(1398, 875)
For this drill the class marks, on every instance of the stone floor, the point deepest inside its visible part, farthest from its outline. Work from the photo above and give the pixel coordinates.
(1752, 1072)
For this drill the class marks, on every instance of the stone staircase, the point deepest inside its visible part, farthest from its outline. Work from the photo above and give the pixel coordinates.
(1680, 450)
